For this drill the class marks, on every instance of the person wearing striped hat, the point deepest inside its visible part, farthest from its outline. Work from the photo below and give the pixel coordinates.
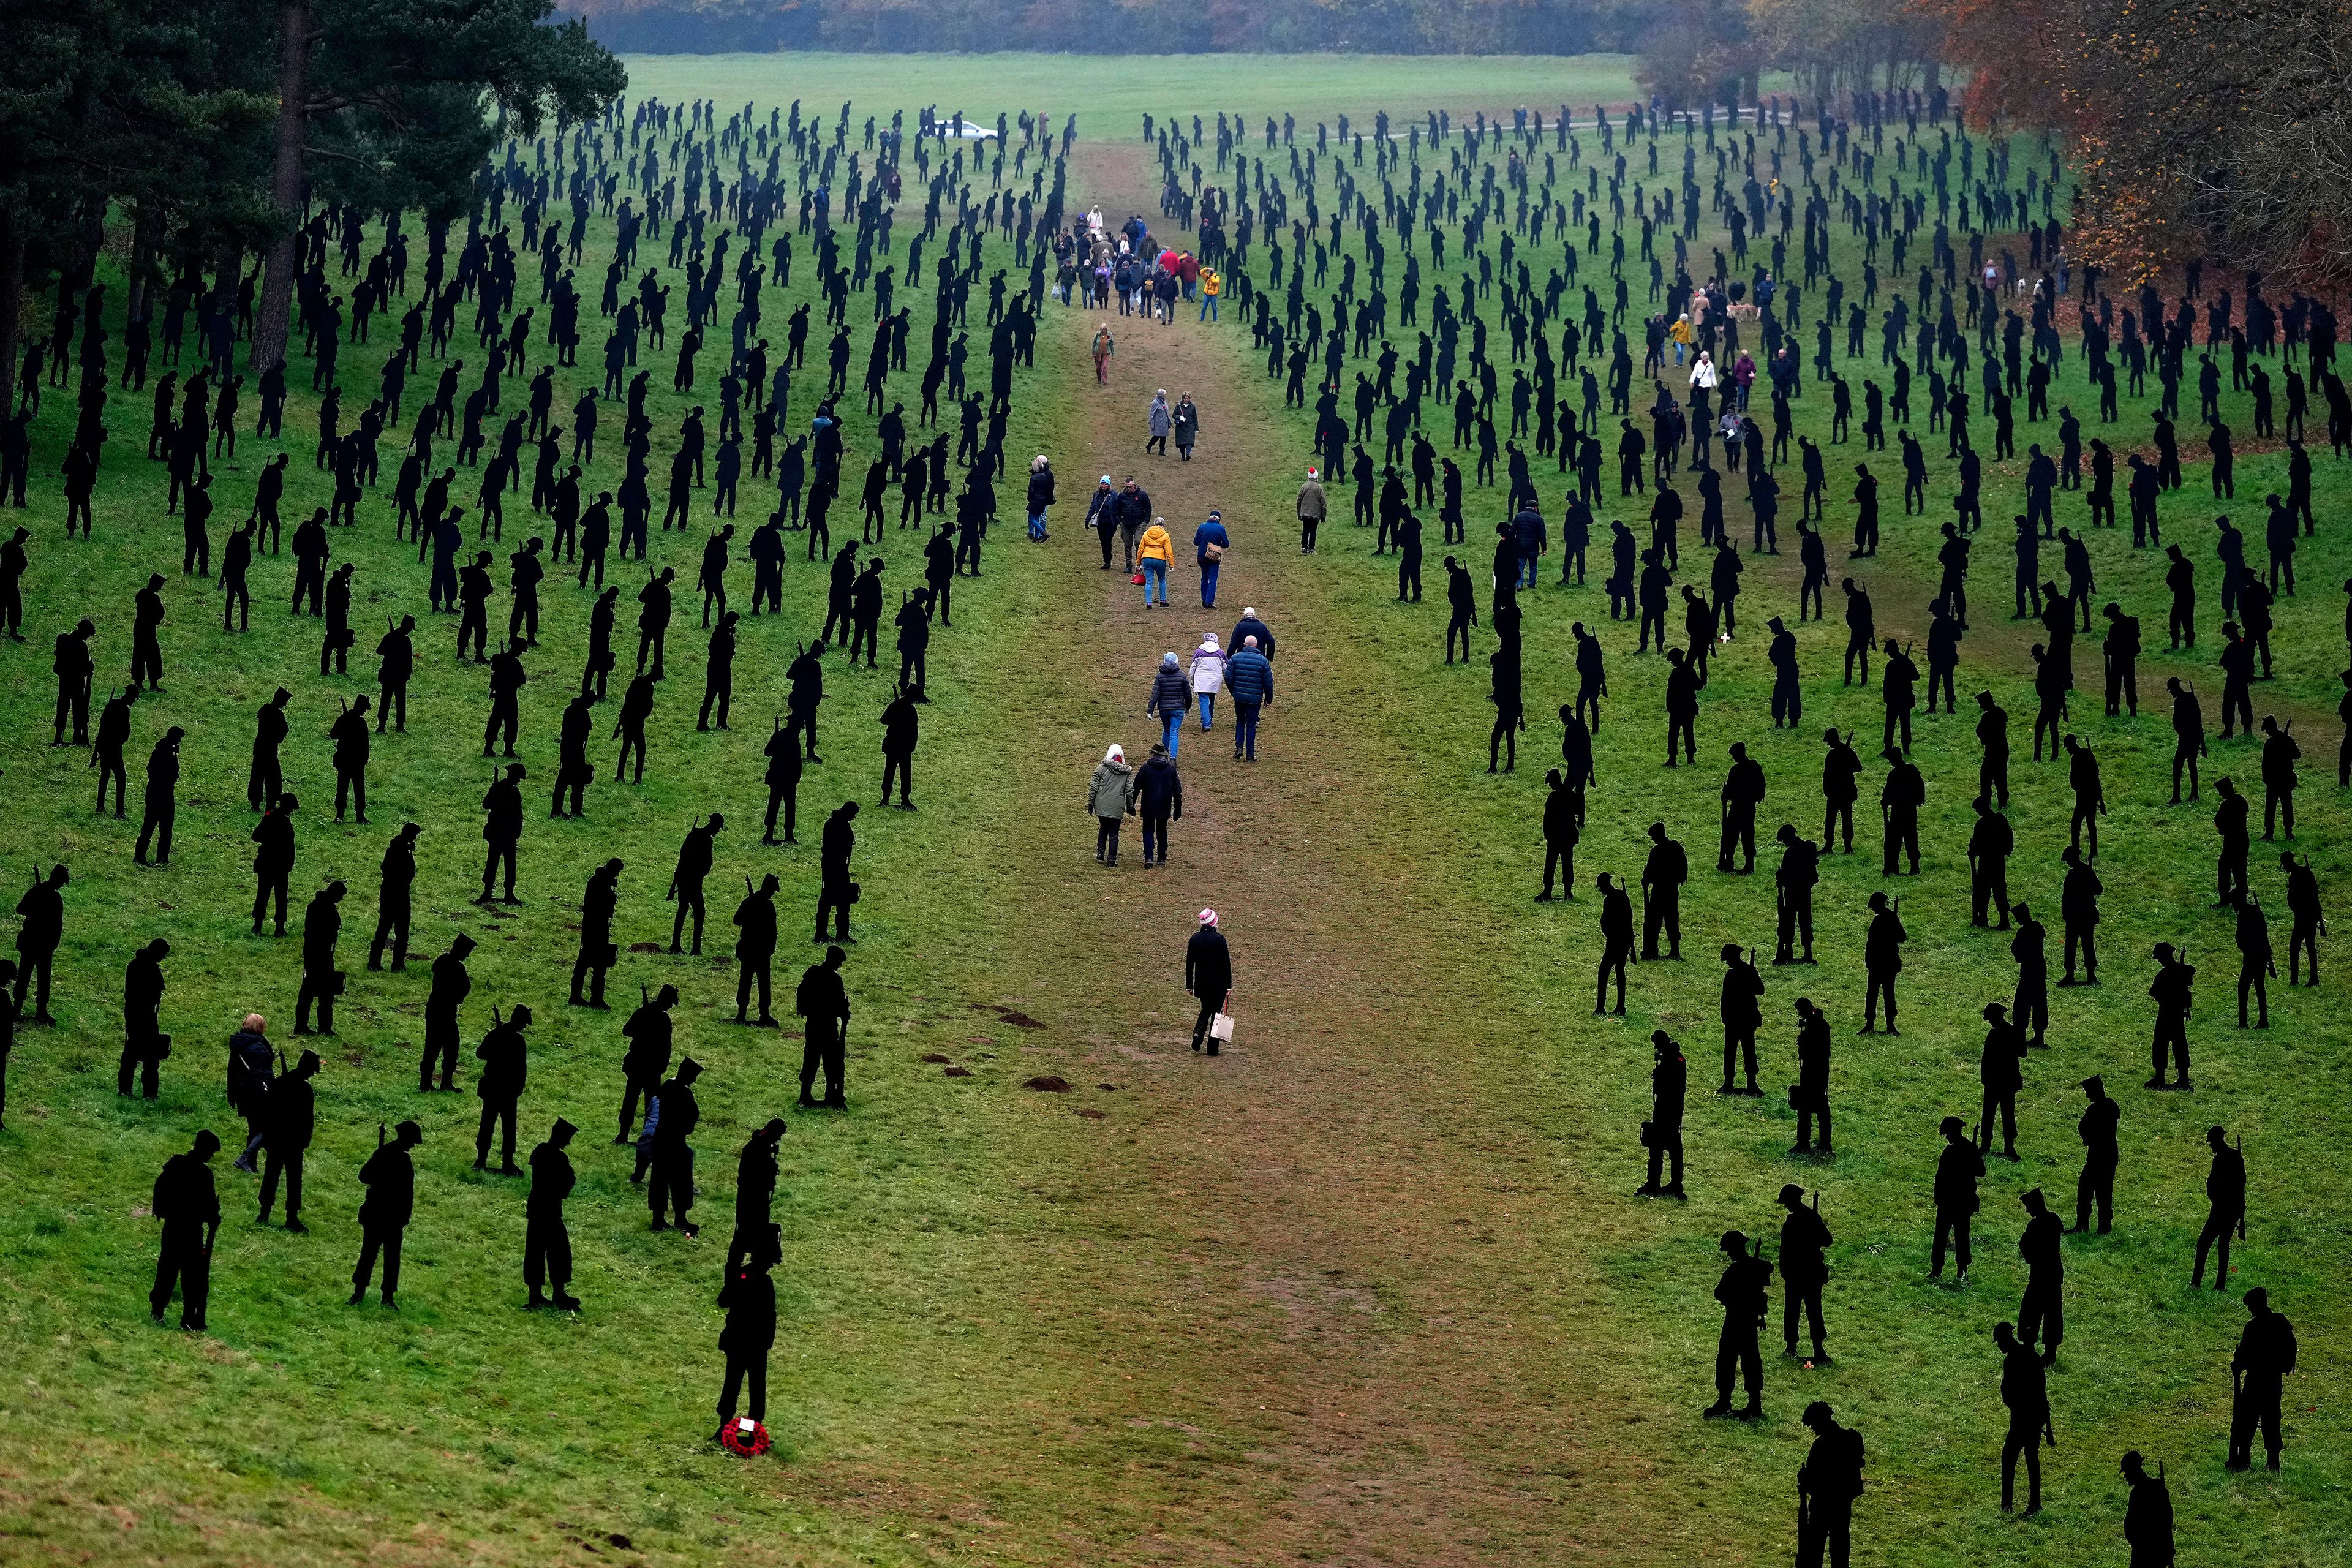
(1209, 976)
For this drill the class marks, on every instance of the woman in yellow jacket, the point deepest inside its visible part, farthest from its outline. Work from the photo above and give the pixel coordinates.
(1155, 554)
(1681, 334)
(1213, 283)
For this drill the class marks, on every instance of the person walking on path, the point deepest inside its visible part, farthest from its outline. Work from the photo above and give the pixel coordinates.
(1186, 420)
(1131, 511)
(1210, 542)
(1103, 349)
(1155, 553)
(1252, 626)
(1208, 977)
(1159, 800)
(1041, 496)
(1161, 421)
(1213, 284)
(1207, 675)
(1171, 696)
(1102, 516)
(1311, 507)
(1249, 677)
(1110, 795)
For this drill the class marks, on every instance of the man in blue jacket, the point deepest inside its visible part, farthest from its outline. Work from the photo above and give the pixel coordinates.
(1210, 542)
(1249, 680)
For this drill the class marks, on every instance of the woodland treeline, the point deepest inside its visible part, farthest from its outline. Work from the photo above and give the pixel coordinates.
(192, 140)
(2215, 130)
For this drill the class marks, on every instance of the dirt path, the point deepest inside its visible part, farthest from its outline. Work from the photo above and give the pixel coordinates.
(1331, 1256)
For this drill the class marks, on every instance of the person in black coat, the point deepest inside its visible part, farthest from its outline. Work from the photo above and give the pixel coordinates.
(1804, 1268)
(755, 949)
(43, 912)
(390, 1177)
(749, 1298)
(677, 1114)
(273, 860)
(288, 1120)
(1811, 1097)
(502, 832)
(185, 1201)
(598, 951)
(2147, 1517)
(1958, 1169)
(648, 1032)
(1663, 1133)
(395, 905)
(1563, 809)
(783, 781)
(1209, 976)
(823, 1002)
(546, 1245)
(900, 731)
(451, 984)
(835, 890)
(755, 1190)
(1159, 800)
(162, 799)
(505, 1067)
(1743, 1291)
(2100, 1157)
(143, 1040)
(322, 928)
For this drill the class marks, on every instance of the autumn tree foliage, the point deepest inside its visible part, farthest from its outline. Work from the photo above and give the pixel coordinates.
(2199, 128)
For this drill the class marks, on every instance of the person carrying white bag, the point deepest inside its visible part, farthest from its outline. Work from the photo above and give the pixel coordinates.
(1209, 975)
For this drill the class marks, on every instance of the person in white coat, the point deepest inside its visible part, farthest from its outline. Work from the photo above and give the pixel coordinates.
(1207, 675)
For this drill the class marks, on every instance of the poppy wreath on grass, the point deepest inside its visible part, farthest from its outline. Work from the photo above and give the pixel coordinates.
(744, 1436)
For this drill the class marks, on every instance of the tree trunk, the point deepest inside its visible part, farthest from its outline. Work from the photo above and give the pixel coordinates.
(139, 283)
(12, 305)
(269, 324)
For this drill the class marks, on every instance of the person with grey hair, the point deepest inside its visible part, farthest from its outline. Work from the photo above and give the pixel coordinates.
(1161, 421)
(1249, 681)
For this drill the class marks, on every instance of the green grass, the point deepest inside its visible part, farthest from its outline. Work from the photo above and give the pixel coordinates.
(320, 1429)
(2146, 1363)
(1112, 93)
(978, 1298)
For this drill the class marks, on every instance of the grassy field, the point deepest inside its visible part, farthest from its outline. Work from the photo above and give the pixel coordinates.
(1112, 93)
(1375, 1293)
(2146, 1362)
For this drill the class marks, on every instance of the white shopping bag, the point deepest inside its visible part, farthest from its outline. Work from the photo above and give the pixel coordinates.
(1221, 1027)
